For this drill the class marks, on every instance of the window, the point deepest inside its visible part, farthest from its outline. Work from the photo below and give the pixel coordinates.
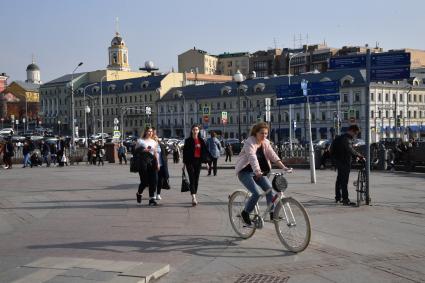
(414, 97)
(357, 97)
(414, 114)
(372, 114)
(323, 116)
(114, 58)
(394, 97)
(387, 97)
(379, 96)
(357, 114)
(386, 114)
(345, 97)
(298, 117)
(409, 97)
(218, 106)
(401, 97)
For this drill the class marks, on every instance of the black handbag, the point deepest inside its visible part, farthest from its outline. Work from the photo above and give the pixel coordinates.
(185, 183)
(134, 165)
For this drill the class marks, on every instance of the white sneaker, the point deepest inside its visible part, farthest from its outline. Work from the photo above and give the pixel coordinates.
(158, 197)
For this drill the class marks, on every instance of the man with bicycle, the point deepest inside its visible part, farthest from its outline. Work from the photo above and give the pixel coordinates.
(253, 166)
(342, 152)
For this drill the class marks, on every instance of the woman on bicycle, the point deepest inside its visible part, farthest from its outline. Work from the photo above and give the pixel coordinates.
(253, 166)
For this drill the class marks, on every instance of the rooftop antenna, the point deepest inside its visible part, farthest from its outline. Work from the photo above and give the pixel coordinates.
(117, 26)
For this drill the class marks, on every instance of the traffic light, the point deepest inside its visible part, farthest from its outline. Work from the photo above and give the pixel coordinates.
(294, 124)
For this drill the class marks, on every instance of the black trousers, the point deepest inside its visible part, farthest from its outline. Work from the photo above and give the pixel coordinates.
(148, 179)
(341, 185)
(162, 178)
(194, 169)
(228, 156)
(212, 166)
(121, 157)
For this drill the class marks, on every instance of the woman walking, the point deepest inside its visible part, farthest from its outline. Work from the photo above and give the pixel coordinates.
(163, 174)
(147, 153)
(253, 166)
(194, 154)
(214, 148)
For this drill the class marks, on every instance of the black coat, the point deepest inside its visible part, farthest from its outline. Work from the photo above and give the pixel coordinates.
(164, 154)
(342, 150)
(189, 150)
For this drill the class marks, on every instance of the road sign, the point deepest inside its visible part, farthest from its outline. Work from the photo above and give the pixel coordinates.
(116, 121)
(117, 134)
(148, 110)
(206, 118)
(12, 117)
(17, 122)
(224, 117)
(347, 62)
(389, 74)
(352, 120)
(116, 128)
(313, 88)
(206, 109)
(390, 59)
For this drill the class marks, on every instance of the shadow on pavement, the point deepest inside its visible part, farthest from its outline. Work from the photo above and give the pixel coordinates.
(200, 245)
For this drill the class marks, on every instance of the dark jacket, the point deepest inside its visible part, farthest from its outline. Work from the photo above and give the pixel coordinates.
(342, 150)
(164, 154)
(189, 150)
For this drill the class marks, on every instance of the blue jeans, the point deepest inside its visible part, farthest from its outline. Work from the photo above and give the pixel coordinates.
(254, 186)
(27, 159)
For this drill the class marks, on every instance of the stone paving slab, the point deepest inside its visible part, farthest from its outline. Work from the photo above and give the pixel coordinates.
(81, 270)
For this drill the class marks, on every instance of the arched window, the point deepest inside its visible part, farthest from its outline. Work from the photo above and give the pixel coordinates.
(114, 58)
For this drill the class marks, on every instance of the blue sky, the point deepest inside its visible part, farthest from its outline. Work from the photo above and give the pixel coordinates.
(62, 33)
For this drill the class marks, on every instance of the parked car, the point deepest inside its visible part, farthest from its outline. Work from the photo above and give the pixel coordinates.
(6, 131)
(236, 145)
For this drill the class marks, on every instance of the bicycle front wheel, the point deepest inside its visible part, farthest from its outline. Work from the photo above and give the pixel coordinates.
(292, 225)
(236, 204)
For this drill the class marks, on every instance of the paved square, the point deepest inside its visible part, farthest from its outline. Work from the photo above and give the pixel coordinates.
(89, 213)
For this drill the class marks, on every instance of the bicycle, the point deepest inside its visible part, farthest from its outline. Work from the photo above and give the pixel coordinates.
(360, 184)
(290, 218)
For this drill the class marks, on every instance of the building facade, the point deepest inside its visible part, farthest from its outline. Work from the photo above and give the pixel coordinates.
(229, 63)
(197, 61)
(205, 104)
(266, 63)
(123, 100)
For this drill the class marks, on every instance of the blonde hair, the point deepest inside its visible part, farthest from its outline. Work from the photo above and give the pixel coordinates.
(257, 127)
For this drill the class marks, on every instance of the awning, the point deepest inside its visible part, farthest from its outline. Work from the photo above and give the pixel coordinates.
(414, 128)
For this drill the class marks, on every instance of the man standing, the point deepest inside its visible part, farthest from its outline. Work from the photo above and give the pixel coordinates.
(122, 153)
(45, 152)
(214, 148)
(342, 152)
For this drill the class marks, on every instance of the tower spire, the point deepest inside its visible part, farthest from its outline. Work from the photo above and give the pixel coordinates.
(117, 26)
(32, 58)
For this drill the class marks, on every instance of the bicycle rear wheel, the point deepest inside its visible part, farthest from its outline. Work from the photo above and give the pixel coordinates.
(236, 204)
(292, 225)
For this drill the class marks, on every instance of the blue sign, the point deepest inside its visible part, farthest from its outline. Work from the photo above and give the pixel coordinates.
(389, 74)
(314, 88)
(313, 98)
(390, 59)
(347, 62)
(324, 98)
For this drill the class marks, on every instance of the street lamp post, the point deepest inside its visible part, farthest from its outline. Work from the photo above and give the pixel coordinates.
(304, 85)
(291, 55)
(73, 105)
(59, 127)
(181, 95)
(86, 111)
(238, 78)
(101, 105)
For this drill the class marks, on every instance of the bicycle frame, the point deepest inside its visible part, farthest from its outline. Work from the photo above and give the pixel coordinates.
(278, 197)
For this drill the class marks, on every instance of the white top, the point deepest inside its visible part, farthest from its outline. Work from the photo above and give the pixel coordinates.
(148, 143)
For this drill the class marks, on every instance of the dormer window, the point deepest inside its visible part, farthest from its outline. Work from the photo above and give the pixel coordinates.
(259, 87)
(145, 84)
(111, 87)
(226, 90)
(127, 86)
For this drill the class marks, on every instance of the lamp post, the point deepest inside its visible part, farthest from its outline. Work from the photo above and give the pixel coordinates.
(181, 95)
(73, 105)
(59, 127)
(304, 85)
(86, 111)
(101, 106)
(238, 78)
(291, 55)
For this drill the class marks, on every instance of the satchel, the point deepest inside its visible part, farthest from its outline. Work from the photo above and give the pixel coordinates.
(134, 165)
(185, 183)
